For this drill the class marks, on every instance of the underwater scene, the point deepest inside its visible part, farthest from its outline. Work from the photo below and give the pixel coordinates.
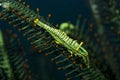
(59, 40)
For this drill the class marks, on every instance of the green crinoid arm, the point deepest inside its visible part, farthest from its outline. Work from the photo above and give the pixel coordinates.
(5, 61)
(61, 37)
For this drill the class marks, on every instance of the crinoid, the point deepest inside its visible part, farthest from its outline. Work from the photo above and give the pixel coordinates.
(106, 14)
(64, 50)
(12, 62)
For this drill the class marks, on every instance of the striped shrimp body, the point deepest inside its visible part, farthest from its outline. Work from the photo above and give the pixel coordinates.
(61, 38)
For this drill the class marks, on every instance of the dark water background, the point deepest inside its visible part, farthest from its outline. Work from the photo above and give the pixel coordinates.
(61, 10)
